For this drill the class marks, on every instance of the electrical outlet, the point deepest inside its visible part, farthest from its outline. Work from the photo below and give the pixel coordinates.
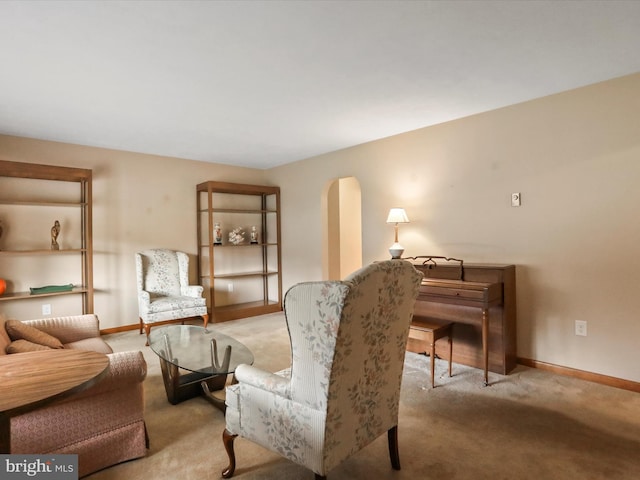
(581, 328)
(230, 287)
(46, 309)
(515, 199)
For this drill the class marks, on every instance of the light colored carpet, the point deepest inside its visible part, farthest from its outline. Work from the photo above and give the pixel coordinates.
(530, 424)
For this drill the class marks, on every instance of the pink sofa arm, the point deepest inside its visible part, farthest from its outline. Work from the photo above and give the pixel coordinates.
(68, 329)
(125, 368)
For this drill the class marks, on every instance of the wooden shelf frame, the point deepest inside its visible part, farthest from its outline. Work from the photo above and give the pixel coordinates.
(83, 177)
(270, 251)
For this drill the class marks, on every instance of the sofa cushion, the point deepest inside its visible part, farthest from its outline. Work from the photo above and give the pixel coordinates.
(95, 344)
(19, 331)
(22, 346)
(4, 337)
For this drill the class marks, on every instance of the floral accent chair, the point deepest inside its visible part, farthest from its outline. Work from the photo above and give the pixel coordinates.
(164, 293)
(348, 341)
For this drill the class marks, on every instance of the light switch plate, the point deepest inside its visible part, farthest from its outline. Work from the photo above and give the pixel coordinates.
(515, 199)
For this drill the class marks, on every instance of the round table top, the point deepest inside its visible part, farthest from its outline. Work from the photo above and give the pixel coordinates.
(28, 379)
(190, 347)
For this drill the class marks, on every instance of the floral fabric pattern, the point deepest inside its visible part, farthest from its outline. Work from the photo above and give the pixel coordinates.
(164, 292)
(348, 341)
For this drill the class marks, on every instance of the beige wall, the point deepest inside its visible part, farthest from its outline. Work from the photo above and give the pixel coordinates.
(139, 202)
(341, 212)
(575, 157)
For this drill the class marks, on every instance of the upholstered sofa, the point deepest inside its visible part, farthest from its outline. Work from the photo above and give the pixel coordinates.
(104, 424)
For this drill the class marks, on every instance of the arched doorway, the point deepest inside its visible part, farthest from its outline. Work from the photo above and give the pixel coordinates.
(342, 228)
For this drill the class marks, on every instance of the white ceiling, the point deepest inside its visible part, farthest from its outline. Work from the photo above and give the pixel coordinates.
(264, 83)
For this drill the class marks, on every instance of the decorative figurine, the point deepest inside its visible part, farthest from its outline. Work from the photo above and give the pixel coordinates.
(217, 234)
(236, 236)
(254, 235)
(55, 231)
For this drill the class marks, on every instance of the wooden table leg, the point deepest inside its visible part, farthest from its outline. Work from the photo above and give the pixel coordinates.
(485, 344)
(218, 402)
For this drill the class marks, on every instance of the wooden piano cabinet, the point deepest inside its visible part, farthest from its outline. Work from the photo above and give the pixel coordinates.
(484, 287)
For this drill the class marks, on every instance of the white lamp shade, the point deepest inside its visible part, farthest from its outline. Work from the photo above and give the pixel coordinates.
(397, 215)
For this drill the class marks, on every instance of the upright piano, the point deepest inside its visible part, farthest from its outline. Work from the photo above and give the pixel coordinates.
(472, 296)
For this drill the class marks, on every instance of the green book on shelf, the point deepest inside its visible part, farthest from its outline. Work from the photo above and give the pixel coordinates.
(51, 289)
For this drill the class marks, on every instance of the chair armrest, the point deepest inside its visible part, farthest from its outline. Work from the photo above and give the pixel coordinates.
(144, 297)
(267, 381)
(192, 291)
(125, 368)
(68, 329)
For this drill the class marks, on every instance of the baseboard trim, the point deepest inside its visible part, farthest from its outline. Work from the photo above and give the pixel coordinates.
(124, 328)
(581, 374)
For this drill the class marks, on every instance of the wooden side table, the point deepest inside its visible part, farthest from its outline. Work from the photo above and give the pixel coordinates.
(29, 380)
(430, 330)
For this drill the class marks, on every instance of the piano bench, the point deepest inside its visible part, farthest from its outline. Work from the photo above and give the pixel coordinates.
(427, 331)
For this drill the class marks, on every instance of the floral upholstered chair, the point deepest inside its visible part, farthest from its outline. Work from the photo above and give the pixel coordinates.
(164, 293)
(348, 341)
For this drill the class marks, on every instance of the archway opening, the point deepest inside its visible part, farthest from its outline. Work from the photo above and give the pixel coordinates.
(342, 228)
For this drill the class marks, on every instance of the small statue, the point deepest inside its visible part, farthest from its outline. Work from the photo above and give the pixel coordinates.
(254, 235)
(217, 234)
(55, 231)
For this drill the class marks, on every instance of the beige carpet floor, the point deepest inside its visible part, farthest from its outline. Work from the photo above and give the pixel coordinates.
(529, 424)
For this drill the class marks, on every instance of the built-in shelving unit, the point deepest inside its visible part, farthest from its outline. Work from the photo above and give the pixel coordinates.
(32, 197)
(244, 279)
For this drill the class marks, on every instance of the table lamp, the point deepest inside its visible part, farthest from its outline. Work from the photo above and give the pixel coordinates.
(397, 215)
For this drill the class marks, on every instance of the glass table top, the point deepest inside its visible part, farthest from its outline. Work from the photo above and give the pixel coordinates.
(198, 349)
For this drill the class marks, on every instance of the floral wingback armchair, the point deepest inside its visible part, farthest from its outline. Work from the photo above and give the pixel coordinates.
(164, 293)
(342, 391)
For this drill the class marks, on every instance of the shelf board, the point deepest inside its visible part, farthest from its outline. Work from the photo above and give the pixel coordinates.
(242, 306)
(28, 295)
(229, 245)
(237, 188)
(257, 273)
(242, 310)
(236, 210)
(42, 251)
(43, 204)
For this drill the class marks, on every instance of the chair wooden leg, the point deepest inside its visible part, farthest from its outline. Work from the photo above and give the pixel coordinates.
(227, 440)
(392, 436)
(450, 352)
(147, 331)
(433, 363)
(205, 319)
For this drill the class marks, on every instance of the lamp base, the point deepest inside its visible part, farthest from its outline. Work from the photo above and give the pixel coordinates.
(396, 250)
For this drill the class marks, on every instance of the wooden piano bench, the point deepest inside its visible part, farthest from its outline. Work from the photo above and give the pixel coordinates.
(423, 335)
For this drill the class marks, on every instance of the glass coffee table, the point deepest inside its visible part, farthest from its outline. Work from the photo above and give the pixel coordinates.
(208, 357)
